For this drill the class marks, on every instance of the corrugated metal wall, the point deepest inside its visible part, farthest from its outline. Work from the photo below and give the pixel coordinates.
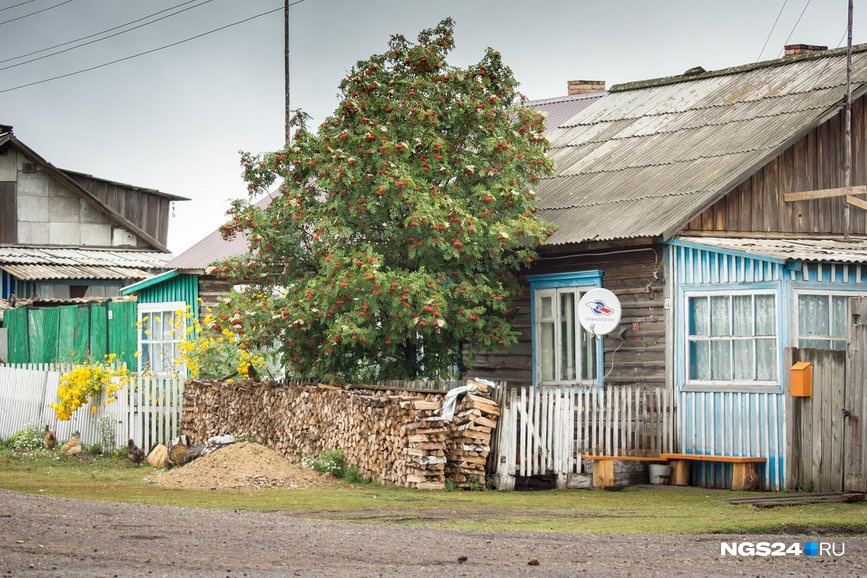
(733, 424)
(70, 333)
(737, 423)
(181, 288)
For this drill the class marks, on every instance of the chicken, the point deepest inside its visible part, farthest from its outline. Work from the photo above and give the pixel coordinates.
(73, 446)
(49, 439)
(136, 454)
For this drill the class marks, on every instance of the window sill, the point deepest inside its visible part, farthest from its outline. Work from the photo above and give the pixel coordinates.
(731, 388)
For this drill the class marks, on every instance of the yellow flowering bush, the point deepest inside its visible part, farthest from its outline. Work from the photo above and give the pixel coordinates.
(209, 350)
(89, 382)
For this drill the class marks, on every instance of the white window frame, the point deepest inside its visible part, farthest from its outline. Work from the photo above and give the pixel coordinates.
(731, 382)
(589, 372)
(796, 330)
(169, 339)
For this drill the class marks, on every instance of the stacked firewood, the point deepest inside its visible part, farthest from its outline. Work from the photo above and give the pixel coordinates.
(425, 445)
(469, 442)
(395, 437)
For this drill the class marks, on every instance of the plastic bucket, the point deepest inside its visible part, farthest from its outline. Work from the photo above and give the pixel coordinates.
(659, 473)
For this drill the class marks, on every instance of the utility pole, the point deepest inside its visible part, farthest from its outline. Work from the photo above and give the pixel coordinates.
(847, 163)
(288, 114)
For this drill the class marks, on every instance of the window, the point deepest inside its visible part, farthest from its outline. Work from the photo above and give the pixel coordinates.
(161, 332)
(732, 338)
(565, 352)
(822, 320)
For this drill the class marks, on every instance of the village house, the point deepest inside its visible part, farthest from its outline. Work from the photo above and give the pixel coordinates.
(715, 206)
(70, 241)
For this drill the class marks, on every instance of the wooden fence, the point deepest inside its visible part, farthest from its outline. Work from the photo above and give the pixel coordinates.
(546, 430)
(148, 410)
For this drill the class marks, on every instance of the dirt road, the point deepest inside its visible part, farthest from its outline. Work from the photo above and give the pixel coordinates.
(42, 536)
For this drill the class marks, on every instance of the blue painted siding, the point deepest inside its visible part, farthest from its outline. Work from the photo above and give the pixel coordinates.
(733, 424)
(720, 422)
(749, 422)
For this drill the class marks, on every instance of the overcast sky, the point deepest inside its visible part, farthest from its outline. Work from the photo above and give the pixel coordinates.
(175, 119)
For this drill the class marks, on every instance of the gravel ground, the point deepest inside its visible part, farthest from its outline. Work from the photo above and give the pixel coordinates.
(41, 536)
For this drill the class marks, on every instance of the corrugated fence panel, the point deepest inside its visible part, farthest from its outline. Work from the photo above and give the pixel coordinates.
(733, 424)
(123, 332)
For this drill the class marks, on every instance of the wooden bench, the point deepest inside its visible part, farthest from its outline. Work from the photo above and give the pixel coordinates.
(744, 473)
(603, 467)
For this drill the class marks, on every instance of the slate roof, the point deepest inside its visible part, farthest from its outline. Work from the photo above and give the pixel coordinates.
(30, 263)
(783, 250)
(645, 159)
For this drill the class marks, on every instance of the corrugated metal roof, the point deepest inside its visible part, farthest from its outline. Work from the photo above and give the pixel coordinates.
(647, 157)
(207, 251)
(213, 248)
(33, 263)
(822, 250)
(562, 108)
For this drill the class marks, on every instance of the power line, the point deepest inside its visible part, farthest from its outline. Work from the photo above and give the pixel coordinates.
(33, 13)
(94, 34)
(798, 21)
(765, 45)
(103, 65)
(17, 5)
(104, 38)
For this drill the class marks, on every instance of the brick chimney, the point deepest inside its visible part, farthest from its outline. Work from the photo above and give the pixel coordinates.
(585, 86)
(799, 49)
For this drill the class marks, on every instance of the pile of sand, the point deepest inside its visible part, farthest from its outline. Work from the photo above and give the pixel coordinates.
(242, 466)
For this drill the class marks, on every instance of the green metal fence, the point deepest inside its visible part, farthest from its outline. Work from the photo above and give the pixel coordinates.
(72, 333)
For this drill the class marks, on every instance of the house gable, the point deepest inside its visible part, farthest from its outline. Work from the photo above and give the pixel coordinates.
(815, 161)
(55, 208)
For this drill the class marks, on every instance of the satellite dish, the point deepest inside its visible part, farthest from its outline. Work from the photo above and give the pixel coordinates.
(599, 311)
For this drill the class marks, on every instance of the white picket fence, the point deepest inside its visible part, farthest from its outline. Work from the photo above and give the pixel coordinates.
(148, 410)
(546, 430)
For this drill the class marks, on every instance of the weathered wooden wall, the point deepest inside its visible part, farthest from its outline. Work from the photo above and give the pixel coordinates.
(395, 437)
(211, 290)
(637, 276)
(826, 432)
(815, 443)
(144, 208)
(813, 162)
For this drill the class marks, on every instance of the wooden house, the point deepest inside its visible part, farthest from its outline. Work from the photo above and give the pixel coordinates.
(712, 205)
(70, 237)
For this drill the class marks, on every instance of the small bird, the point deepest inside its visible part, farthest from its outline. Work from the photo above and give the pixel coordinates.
(49, 439)
(136, 454)
(73, 446)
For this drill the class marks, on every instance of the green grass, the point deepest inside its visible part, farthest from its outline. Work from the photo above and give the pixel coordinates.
(634, 510)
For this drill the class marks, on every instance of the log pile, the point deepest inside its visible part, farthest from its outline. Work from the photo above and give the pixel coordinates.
(470, 438)
(425, 445)
(394, 437)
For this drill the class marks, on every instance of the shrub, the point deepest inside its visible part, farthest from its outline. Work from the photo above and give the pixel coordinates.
(27, 440)
(329, 462)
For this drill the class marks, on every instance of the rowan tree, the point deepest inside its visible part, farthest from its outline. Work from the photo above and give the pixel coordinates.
(392, 247)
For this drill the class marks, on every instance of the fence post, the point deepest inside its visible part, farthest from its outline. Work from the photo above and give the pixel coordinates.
(507, 442)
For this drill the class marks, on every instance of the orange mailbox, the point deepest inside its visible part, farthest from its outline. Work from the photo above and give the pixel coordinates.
(802, 379)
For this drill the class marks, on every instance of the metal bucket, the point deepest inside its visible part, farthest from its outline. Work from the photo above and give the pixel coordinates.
(659, 473)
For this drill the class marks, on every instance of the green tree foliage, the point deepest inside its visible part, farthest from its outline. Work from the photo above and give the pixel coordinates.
(399, 225)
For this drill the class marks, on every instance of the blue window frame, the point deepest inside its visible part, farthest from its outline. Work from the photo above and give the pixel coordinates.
(563, 352)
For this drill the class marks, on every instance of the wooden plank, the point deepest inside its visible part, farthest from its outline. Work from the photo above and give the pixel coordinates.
(856, 202)
(824, 193)
(709, 458)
